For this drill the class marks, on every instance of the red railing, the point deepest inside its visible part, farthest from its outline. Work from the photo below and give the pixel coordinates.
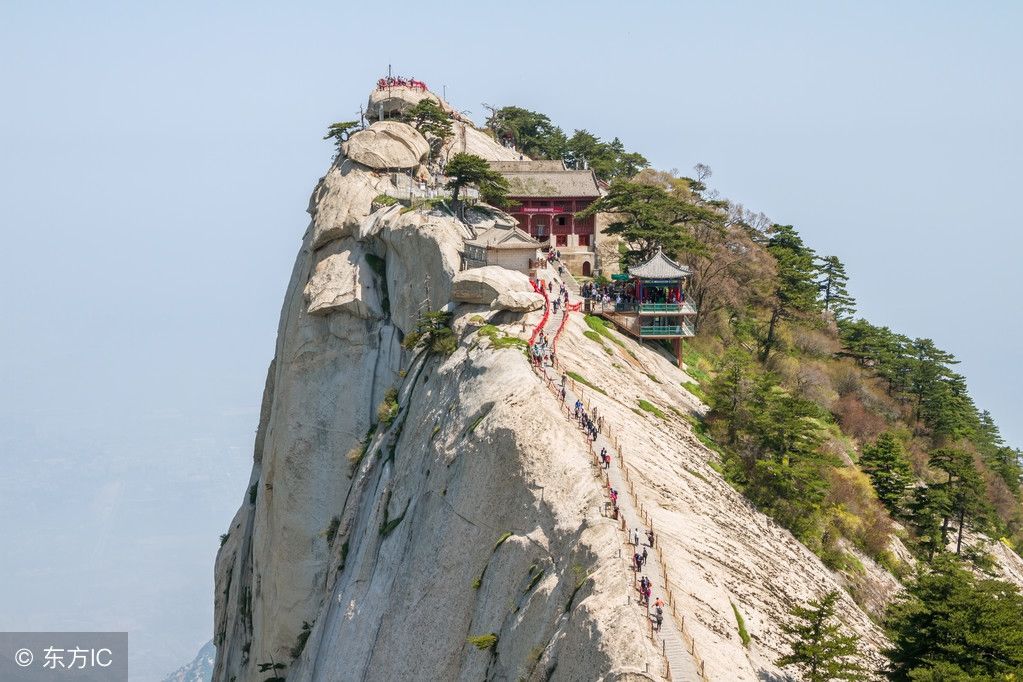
(540, 289)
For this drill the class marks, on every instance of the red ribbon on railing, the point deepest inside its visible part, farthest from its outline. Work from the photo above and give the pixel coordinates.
(569, 307)
(540, 289)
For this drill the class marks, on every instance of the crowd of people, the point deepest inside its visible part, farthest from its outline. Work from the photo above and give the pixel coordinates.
(591, 424)
(399, 82)
(623, 295)
(645, 586)
(542, 351)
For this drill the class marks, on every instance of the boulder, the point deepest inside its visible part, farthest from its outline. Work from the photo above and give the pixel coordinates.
(423, 255)
(341, 200)
(344, 281)
(396, 100)
(469, 139)
(518, 301)
(387, 144)
(483, 286)
(484, 219)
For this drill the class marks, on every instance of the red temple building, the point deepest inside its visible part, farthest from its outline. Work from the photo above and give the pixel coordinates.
(548, 196)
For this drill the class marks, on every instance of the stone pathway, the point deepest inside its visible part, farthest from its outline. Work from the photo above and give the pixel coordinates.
(675, 646)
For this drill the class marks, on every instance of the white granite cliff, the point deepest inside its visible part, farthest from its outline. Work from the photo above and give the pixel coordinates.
(366, 550)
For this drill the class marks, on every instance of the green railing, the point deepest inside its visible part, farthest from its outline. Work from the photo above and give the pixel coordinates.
(667, 330)
(659, 307)
(685, 308)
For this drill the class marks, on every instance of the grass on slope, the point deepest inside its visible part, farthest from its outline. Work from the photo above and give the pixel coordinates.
(599, 326)
(597, 338)
(648, 406)
(696, 390)
(697, 365)
(743, 634)
(499, 339)
(579, 378)
(484, 642)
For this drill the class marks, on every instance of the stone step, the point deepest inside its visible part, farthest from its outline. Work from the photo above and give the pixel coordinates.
(681, 662)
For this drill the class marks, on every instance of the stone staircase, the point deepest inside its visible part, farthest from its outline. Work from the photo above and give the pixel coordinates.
(681, 663)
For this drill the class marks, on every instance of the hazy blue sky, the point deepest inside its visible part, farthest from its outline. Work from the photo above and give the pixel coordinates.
(156, 161)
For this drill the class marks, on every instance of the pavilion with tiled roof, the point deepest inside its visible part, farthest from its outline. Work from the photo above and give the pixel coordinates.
(509, 247)
(655, 304)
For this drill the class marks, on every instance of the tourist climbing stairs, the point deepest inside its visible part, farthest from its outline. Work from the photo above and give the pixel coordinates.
(673, 640)
(570, 282)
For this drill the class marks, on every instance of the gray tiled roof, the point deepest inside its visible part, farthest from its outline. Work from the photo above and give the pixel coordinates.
(546, 179)
(567, 183)
(660, 267)
(504, 238)
(527, 165)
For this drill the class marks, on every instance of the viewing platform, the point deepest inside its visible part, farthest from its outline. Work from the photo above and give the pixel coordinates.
(679, 308)
(653, 304)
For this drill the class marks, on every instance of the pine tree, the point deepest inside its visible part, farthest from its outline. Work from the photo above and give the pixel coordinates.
(930, 368)
(787, 468)
(1005, 461)
(429, 119)
(886, 464)
(819, 649)
(649, 218)
(731, 392)
(340, 132)
(464, 169)
(608, 160)
(532, 132)
(964, 490)
(832, 286)
(796, 289)
(927, 509)
(951, 626)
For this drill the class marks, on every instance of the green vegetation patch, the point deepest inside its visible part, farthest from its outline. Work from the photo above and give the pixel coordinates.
(434, 330)
(335, 523)
(484, 642)
(695, 389)
(500, 541)
(478, 419)
(696, 473)
(501, 339)
(581, 578)
(344, 555)
(476, 584)
(387, 526)
(598, 325)
(648, 406)
(579, 378)
(388, 409)
(426, 205)
(697, 365)
(536, 572)
(384, 200)
(743, 634)
(303, 637)
(358, 451)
